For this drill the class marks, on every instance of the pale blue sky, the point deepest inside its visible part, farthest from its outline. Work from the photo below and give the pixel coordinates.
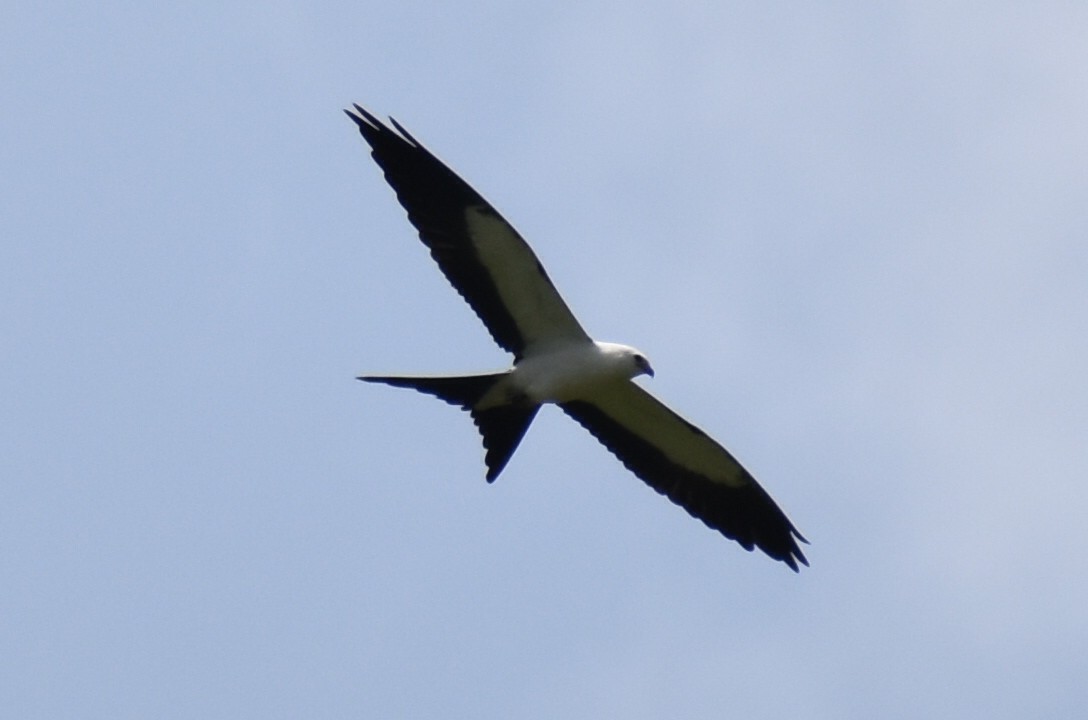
(852, 239)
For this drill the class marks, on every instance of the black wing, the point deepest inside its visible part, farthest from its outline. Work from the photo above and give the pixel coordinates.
(482, 256)
(683, 463)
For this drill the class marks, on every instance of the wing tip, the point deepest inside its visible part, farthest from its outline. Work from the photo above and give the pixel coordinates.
(794, 557)
(362, 118)
(780, 544)
(370, 126)
(404, 133)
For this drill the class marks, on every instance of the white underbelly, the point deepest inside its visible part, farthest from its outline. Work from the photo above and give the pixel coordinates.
(563, 375)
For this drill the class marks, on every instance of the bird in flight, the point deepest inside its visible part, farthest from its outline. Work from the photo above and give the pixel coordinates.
(555, 361)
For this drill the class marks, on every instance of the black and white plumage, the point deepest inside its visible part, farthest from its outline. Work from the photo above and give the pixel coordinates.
(556, 361)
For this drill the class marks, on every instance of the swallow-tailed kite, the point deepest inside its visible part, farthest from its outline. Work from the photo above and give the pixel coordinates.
(555, 361)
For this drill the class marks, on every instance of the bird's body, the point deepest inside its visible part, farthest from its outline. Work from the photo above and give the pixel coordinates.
(556, 361)
(575, 371)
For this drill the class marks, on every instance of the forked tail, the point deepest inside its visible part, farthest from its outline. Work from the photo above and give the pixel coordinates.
(502, 426)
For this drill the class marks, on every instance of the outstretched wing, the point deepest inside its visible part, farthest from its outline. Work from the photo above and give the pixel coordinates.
(482, 255)
(683, 463)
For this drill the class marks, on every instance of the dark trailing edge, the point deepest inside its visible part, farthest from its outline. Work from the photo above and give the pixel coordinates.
(497, 273)
(746, 514)
(436, 200)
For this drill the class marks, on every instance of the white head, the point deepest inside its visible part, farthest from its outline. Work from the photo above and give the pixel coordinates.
(633, 362)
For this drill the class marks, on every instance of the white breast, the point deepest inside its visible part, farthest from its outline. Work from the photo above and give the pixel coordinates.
(571, 372)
